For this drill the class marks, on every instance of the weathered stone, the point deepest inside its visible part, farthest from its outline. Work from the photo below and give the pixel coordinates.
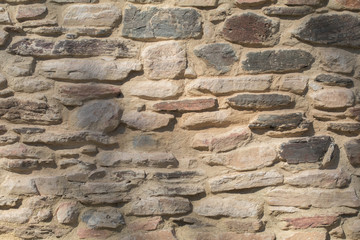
(162, 89)
(197, 3)
(306, 197)
(19, 165)
(8, 201)
(67, 212)
(3, 82)
(288, 11)
(75, 94)
(277, 61)
(99, 15)
(177, 175)
(103, 218)
(251, 3)
(251, 29)
(228, 85)
(277, 121)
(172, 190)
(310, 222)
(8, 139)
(220, 56)
(352, 228)
(161, 23)
(160, 206)
(86, 233)
(4, 16)
(19, 216)
(303, 2)
(293, 83)
(334, 80)
(30, 84)
(6, 93)
(352, 148)
(235, 236)
(318, 235)
(146, 1)
(188, 105)
(337, 60)
(305, 150)
(38, 231)
(205, 120)
(239, 181)
(327, 116)
(3, 37)
(164, 60)
(3, 129)
(333, 98)
(19, 186)
(148, 224)
(20, 66)
(19, 150)
(73, 48)
(228, 207)
(352, 5)
(146, 121)
(88, 69)
(331, 29)
(155, 235)
(155, 159)
(30, 12)
(26, 130)
(100, 115)
(347, 127)
(51, 185)
(260, 101)
(354, 112)
(244, 226)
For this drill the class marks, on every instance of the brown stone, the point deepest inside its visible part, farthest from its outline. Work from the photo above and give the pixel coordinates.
(247, 3)
(354, 112)
(205, 120)
(3, 37)
(311, 222)
(85, 233)
(277, 121)
(321, 235)
(288, 11)
(188, 105)
(333, 98)
(244, 226)
(347, 127)
(303, 2)
(160, 206)
(30, 12)
(235, 236)
(352, 148)
(352, 5)
(67, 212)
(146, 121)
(352, 228)
(197, 3)
(148, 224)
(155, 235)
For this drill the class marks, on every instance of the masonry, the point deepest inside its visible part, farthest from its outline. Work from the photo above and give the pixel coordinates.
(186, 119)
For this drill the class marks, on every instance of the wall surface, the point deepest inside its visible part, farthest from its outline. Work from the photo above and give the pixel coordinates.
(187, 119)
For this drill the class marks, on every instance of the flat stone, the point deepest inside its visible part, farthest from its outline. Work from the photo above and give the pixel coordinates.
(8, 139)
(250, 29)
(310, 222)
(346, 127)
(260, 101)
(4, 17)
(8, 201)
(3, 129)
(227, 85)
(331, 29)
(197, 3)
(19, 186)
(162, 89)
(164, 60)
(277, 121)
(28, 130)
(67, 212)
(30, 12)
(99, 15)
(88, 69)
(351, 5)
(205, 120)
(161, 23)
(148, 224)
(160, 206)
(239, 181)
(354, 112)
(334, 80)
(333, 98)
(19, 165)
(71, 94)
(251, 3)
(177, 176)
(352, 148)
(228, 207)
(53, 186)
(235, 236)
(20, 66)
(4, 36)
(244, 226)
(19, 150)
(293, 83)
(86, 233)
(172, 190)
(303, 2)
(327, 116)
(155, 235)
(73, 48)
(337, 60)
(30, 84)
(288, 11)
(146, 121)
(103, 218)
(220, 56)
(146, 1)
(38, 231)
(187, 105)
(277, 61)
(351, 228)
(306, 197)
(19, 216)
(314, 235)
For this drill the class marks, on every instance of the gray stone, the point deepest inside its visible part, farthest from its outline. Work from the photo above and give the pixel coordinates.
(288, 11)
(31, 84)
(160, 206)
(20, 66)
(346, 127)
(352, 148)
(3, 82)
(19, 165)
(278, 122)
(162, 89)
(146, 121)
(352, 228)
(19, 186)
(53, 186)
(334, 80)
(32, 12)
(103, 218)
(314, 3)
(146, 1)
(4, 36)
(8, 139)
(337, 60)
(67, 212)
(28, 130)
(260, 101)
(333, 98)
(4, 16)
(172, 190)
(6, 201)
(197, 3)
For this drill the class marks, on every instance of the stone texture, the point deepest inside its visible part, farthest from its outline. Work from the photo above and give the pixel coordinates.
(187, 105)
(310, 222)
(25, 13)
(146, 121)
(30, 84)
(86, 233)
(288, 11)
(251, 3)
(161, 23)
(20, 66)
(234, 236)
(260, 101)
(251, 29)
(155, 235)
(352, 5)
(162, 89)
(293, 83)
(148, 224)
(354, 112)
(205, 120)
(333, 98)
(244, 226)
(318, 235)
(346, 127)
(4, 16)
(160, 206)
(352, 148)
(277, 121)
(277, 61)
(19, 186)
(146, 1)
(197, 3)
(67, 212)
(334, 80)
(54, 186)
(3, 37)
(220, 56)
(103, 218)
(337, 60)
(352, 228)
(172, 190)
(303, 2)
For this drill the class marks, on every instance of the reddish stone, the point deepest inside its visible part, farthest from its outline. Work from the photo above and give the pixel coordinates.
(148, 224)
(344, 4)
(303, 2)
(188, 105)
(92, 233)
(30, 12)
(311, 222)
(157, 235)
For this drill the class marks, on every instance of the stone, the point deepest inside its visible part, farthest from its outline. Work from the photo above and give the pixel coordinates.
(146, 1)
(353, 112)
(244, 226)
(305, 150)
(260, 101)
(100, 115)
(4, 17)
(240, 181)
(30, 84)
(220, 56)
(337, 60)
(187, 105)
(19, 150)
(228, 207)
(164, 60)
(25, 13)
(148, 224)
(352, 228)
(333, 98)
(310, 222)
(246, 158)
(251, 3)
(71, 94)
(351, 5)
(346, 127)
(19, 186)
(160, 206)
(277, 61)
(8, 201)
(103, 218)
(306, 197)
(3, 129)
(250, 29)
(26, 130)
(88, 69)
(205, 120)
(73, 48)
(20, 66)
(197, 3)
(67, 212)
(99, 15)
(303, 2)
(155, 235)
(288, 11)
(8, 139)
(235, 236)
(146, 121)
(86, 233)
(330, 29)
(318, 235)
(53, 186)
(162, 89)
(19, 165)
(37, 231)
(227, 85)
(4, 36)
(177, 176)
(6, 93)
(3, 82)
(19, 216)
(161, 23)
(352, 149)
(293, 83)
(334, 80)
(172, 190)
(277, 121)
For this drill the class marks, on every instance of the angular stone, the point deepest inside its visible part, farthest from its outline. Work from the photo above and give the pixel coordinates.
(310, 222)
(8, 139)
(220, 56)
(277, 61)
(86, 233)
(333, 98)
(306, 197)
(19, 150)
(155, 235)
(53, 186)
(161, 23)
(187, 105)
(251, 3)
(75, 94)
(293, 83)
(303, 2)
(228, 207)
(260, 101)
(30, 84)
(20, 66)
(235, 236)
(337, 60)
(288, 11)
(103, 218)
(205, 120)
(162, 89)
(19, 186)
(244, 226)
(319, 235)
(352, 5)
(277, 121)
(3, 37)
(347, 127)
(19, 216)
(197, 3)
(172, 190)
(73, 48)
(146, 1)
(99, 15)
(148, 224)
(228, 85)
(67, 212)
(19, 165)
(354, 112)
(352, 228)
(160, 206)
(239, 181)
(331, 29)
(250, 29)
(30, 12)
(100, 115)
(334, 80)
(164, 60)
(38, 231)
(352, 148)
(4, 16)
(26, 130)
(6, 201)
(88, 69)
(146, 121)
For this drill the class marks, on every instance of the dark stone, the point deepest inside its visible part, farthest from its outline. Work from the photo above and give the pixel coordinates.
(163, 23)
(354, 112)
(334, 80)
(3, 129)
(187, 105)
(103, 218)
(175, 175)
(349, 127)
(288, 11)
(305, 150)
(260, 101)
(28, 130)
(352, 148)
(332, 30)
(279, 61)
(251, 29)
(277, 121)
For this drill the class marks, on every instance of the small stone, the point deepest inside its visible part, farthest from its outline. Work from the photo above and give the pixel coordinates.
(250, 29)
(310, 222)
(205, 120)
(251, 3)
(19, 165)
(188, 105)
(288, 11)
(320, 235)
(6, 93)
(327, 116)
(220, 56)
(277, 61)
(354, 112)
(162, 89)
(177, 176)
(30, 84)
(20, 66)
(148, 224)
(337, 60)
(146, 121)
(103, 218)
(259, 101)
(303, 2)
(4, 17)
(293, 83)
(347, 127)
(244, 226)
(146, 1)
(37, 231)
(6, 201)
(8, 139)
(67, 212)
(352, 148)
(19, 216)
(4, 36)
(333, 98)
(3, 82)
(30, 12)
(86, 233)
(26, 130)
(334, 80)
(160, 206)
(155, 235)
(352, 228)
(51, 185)
(197, 3)
(351, 5)
(337, 232)
(172, 190)
(277, 121)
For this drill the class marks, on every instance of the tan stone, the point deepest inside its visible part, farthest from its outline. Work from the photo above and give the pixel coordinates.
(30, 12)
(320, 235)
(352, 228)
(155, 235)
(146, 121)
(162, 89)
(148, 224)
(3, 37)
(333, 98)
(197, 3)
(353, 5)
(293, 83)
(235, 236)
(160, 206)
(205, 120)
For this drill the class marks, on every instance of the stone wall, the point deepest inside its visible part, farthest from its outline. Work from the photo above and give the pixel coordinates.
(186, 119)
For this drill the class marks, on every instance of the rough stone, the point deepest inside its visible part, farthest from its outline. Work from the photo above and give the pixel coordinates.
(277, 61)
(3, 82)
(251, 3)
(277, 121)
(260, 101)
(205, 120)
(20, 66)
(161, 23)
(303, 2)
(352, 228)
(103, 218)
(38, 231)
(293, 83)
(318, 235)
(172, 190)
(346, 127)
(160, 206)
(187, 105)
(20, 216)
(30, 130)
(352, 148)
(8, 201)
(333, 98)
(288, 11)
(220, 56)
(3, 37)
(310, 222)
(251, 29)
(51, 185)
(337, 60)
(148, 224)
(4, 17)
(146, 121)
(162, 89)
(67, 212)
(197, 3)
(235, 236)
(244, 226)
(32, 12)
(354, 112)
(8, 139)
(146, 1)
(19, 165)
(86, 233)
(351, 5)
(155, 235)
(334, 80)
(30, 84)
